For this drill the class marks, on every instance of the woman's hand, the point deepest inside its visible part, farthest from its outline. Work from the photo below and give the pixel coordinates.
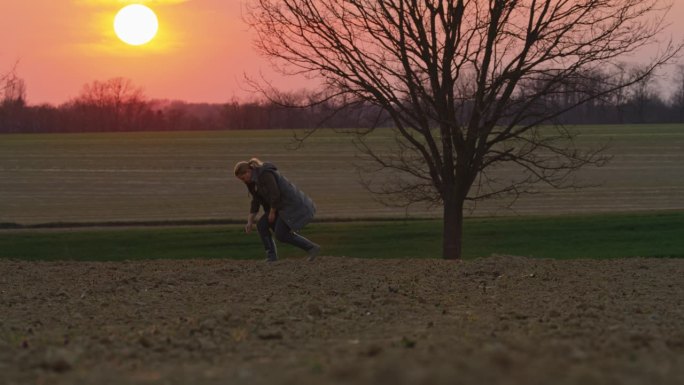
(250, 224)
(272, 216)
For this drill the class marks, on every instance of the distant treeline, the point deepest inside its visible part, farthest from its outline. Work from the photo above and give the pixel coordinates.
(117, 105)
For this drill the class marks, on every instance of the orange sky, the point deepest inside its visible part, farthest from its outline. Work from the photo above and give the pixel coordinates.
(200, 54)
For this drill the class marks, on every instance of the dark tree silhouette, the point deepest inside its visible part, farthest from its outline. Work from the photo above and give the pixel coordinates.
(678, 96)
(450, 75)
(112, 105)
(12, 101)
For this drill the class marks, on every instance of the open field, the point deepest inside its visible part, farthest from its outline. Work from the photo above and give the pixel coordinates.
(188, 175)
(352, 316)
(503, 320)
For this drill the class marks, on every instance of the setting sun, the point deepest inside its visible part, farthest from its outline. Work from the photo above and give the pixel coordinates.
(135, 24)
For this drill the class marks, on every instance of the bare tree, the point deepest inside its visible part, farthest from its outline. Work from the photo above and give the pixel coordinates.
(12, 87)
(4, 80)
(449, 75)
(678, 96)
(13, 90)
(620, 95)
(12, 101)
(641, 93)
(112, 105)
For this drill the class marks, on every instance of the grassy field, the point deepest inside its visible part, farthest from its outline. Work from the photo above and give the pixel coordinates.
(171, 177)
(110, 177)
(577, 236)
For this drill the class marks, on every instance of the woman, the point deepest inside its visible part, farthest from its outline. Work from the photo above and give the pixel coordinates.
(286, 208)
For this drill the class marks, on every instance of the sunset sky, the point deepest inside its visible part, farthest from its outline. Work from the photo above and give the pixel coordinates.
(200, 54)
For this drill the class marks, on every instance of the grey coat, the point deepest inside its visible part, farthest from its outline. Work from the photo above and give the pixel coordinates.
(271, 189)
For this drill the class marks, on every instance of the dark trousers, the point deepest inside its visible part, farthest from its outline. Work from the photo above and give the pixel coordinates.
(283, 233)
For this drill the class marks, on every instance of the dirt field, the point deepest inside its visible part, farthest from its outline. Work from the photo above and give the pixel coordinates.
(499, 320)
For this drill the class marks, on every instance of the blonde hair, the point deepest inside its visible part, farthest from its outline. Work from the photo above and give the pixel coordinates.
(242, 166)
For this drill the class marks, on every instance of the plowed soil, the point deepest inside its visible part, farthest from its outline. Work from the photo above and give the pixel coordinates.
(497, 320)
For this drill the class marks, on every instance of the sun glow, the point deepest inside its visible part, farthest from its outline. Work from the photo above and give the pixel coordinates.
(135, 24)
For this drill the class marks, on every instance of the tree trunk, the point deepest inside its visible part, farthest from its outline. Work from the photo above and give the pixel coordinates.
(452, 237)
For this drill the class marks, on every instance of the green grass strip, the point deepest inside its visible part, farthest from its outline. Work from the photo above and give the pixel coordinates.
(587, 236)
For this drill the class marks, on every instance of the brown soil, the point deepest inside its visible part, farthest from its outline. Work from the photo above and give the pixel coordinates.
(498, 320)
